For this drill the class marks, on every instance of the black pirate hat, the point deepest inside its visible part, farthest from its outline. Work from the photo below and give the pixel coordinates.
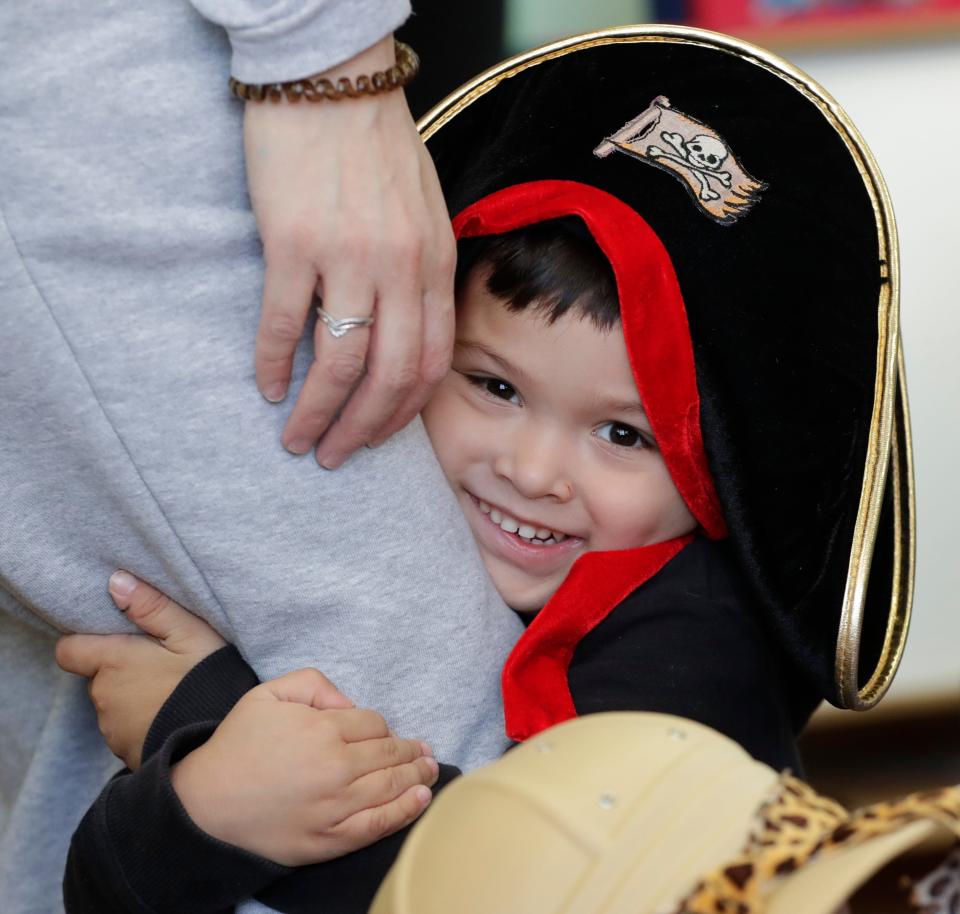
(781, 236)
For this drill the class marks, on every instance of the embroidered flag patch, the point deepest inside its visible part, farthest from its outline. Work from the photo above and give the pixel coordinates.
(694, 154)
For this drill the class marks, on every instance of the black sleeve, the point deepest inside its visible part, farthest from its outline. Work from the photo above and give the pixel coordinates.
(689, 642)
(136, 849)
(117, 866)
(345, 885)
(208, 692)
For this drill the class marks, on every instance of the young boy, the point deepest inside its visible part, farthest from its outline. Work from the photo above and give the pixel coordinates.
(548, 447)
(570, 430)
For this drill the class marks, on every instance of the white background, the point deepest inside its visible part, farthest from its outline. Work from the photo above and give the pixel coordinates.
(905, 99)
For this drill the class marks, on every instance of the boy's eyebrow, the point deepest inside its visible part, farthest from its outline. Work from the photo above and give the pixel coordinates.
(623, 406)
(466, 346)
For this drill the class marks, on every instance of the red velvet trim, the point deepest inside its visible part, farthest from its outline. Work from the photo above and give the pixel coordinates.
(652, 312)
(536, 693)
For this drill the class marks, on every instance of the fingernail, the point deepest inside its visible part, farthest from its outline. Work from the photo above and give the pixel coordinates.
(330, 462)
(276, 392)
(424, 794)
(122, 584)
(298, 446)
(427, 751)
(433, 765)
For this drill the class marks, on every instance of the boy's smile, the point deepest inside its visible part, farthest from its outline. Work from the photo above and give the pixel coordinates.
(541, 434)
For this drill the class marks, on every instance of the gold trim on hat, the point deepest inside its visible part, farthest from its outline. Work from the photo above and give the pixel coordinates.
(888, 446)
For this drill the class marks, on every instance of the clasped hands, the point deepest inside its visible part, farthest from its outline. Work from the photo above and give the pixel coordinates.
(348, 206)
(294, 773)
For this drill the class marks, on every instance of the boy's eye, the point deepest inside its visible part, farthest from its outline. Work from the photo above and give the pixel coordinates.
(495, 387)
(622, 435)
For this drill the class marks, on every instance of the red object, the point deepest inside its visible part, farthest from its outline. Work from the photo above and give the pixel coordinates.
(535, 690)
(823, 20)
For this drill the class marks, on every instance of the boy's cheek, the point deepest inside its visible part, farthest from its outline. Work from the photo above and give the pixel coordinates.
(452, 431)
(431, 415)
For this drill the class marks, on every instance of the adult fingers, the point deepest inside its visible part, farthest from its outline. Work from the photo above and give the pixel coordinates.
(438, 287)
(438, 270)
(393, 366)
(306, 687)
(339, 361)
(288, 287)
(85, 655)
(369, 825)
(156, 614)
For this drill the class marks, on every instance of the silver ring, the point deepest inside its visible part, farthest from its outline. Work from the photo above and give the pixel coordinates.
(338, 328)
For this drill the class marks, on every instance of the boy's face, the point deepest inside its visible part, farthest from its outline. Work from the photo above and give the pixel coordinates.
(540, 432)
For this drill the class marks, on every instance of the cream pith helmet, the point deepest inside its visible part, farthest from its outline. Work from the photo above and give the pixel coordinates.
(627, 813)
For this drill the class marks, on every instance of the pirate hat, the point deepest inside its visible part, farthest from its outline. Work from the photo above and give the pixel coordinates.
(782, 242)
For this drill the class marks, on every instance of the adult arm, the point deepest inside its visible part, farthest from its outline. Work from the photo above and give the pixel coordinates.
(347, 202)
(689, 643)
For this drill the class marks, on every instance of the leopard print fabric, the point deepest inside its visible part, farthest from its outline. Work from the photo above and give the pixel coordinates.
(798, 825)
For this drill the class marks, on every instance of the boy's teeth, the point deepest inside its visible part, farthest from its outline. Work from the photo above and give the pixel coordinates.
(527, 532)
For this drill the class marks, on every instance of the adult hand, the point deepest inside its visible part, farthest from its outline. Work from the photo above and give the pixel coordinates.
(348, 206)
(131, 676)
(296, 774)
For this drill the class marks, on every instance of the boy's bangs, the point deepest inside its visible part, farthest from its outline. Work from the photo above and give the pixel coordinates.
(553, 268)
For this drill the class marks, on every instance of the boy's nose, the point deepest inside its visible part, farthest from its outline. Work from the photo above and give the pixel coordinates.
(534, 463)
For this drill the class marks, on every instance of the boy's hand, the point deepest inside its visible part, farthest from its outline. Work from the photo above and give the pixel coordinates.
(131, 676)
(296, 774)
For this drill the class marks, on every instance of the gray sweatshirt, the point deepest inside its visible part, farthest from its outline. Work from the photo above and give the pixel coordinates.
(132, 434)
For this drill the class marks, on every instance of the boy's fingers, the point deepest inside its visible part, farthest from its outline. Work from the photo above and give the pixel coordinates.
(84, 654)
(370, 825)
(156, 614)
(362, 724)
(387, 784)
(305, 687)
(373, 754)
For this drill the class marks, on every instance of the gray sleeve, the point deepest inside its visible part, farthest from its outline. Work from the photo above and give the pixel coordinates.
(279, 40)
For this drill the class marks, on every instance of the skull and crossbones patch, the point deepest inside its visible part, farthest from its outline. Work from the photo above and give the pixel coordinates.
(693, 153)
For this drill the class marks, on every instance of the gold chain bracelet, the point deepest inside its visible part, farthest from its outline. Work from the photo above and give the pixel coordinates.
(319, 88)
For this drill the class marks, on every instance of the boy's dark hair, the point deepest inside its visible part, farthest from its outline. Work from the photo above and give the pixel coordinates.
(554, 265)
